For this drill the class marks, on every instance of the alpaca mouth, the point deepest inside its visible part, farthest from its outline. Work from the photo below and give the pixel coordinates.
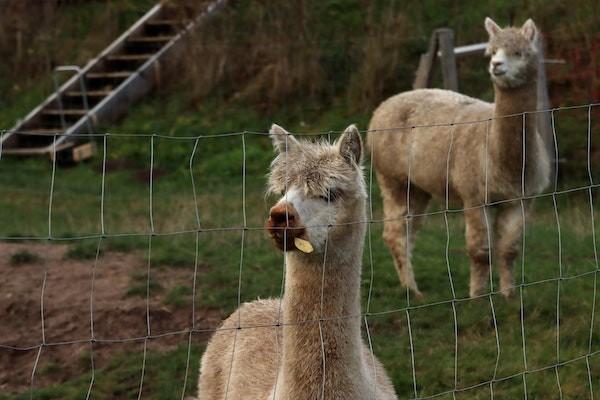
(286, 239)
(498, 73)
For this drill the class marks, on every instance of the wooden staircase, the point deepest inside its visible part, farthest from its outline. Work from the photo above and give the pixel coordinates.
(106, 87)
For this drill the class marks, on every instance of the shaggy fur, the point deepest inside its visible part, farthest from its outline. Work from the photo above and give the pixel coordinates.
(451, 162)
(314, 353)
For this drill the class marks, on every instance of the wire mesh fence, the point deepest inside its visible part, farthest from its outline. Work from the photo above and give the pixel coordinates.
(447, 345)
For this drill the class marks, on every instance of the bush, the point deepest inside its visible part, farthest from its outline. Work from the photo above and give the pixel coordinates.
(83, 251)
(23, 257)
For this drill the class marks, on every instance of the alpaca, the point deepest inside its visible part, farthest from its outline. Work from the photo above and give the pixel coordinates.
(469, 164)
(317, 351)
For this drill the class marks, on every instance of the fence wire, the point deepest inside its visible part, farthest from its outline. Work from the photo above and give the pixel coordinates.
(367, 313)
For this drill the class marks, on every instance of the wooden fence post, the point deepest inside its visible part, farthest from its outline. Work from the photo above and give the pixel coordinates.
(544, 124)
(448, 58)
(423, 75)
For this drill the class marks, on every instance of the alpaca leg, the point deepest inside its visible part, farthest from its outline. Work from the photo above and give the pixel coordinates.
(509, 230)
(398, 234)
(478, 248)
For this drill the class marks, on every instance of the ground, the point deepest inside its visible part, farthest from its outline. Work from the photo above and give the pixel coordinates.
(117, 313)
(544, 343)
(549, 329)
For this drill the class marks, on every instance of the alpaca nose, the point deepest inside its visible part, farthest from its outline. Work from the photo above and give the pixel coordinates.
(496, 64)
(498, 68)
(283, 215)
(284, 225)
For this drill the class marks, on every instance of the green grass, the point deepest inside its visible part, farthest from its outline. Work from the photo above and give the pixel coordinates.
(164, 377)
(217, 172)
(179, 296)
(76, 211)
(131, 210)
(83, 250)
(139, 286)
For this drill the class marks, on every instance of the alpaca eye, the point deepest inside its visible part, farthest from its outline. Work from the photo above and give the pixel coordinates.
(518, 54)
(332, 196)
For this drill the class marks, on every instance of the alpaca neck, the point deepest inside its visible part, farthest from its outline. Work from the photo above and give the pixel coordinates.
(506, 140)
(319, 298)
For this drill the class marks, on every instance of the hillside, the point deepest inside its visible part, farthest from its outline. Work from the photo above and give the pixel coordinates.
(284, 58)
(312, 66)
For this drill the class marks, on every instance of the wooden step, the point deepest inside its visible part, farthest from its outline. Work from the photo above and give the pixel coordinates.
(67, 111)
(150, 39)
(128, 57)
(163, 22)
(41, 131)
(105, 75)
(91, 93)
(48, 149)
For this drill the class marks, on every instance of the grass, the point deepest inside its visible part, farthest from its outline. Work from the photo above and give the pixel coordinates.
(494, 339)
(76, 211)
(139, 286)
(515, 343)
(178, 296)
(23, 257)
(131, 210)
(83, 250)
(164, 376)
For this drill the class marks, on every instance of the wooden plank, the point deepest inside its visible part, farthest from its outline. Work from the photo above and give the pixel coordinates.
(150, 39)
(162, 22)
(91, 93)
(129, 57)
(448, 58)
(41, 131)
(423, 74)
(54, 111)
(32, 151)
(102, 75)
(544, 123)
(83, 152)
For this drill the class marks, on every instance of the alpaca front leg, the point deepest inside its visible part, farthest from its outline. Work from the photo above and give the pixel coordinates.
(395, 234)
(396, 238)
(509, 230)
(478, 248)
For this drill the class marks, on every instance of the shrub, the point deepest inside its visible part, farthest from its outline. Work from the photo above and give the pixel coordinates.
(23, 257)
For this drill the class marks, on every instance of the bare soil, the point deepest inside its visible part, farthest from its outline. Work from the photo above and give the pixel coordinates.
(69, 315)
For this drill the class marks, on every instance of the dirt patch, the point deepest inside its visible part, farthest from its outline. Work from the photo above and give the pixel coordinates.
(143, 175)
(116, 315)
(115, 165)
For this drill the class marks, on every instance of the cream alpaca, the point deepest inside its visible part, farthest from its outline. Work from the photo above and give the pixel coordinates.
(315, 354)
(453, 161)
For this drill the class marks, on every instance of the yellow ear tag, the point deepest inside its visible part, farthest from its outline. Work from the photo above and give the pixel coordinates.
(303, 245)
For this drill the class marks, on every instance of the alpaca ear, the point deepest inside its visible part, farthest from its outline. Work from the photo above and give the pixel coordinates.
(350, 145)
(491, 27)
(529, 30)
(282, 140)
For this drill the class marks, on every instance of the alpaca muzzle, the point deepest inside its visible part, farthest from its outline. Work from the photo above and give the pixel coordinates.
(286, 230)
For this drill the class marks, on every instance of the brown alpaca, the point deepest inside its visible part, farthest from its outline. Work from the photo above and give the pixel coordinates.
(317, 352)
(451, 162)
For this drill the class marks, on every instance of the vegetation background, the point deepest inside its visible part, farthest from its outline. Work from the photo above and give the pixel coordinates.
(311, 66)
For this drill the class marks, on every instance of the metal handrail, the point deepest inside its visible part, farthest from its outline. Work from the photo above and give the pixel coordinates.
(79, 74)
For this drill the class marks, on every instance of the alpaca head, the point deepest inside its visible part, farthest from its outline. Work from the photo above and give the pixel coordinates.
(321, 186)
(514, 55)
